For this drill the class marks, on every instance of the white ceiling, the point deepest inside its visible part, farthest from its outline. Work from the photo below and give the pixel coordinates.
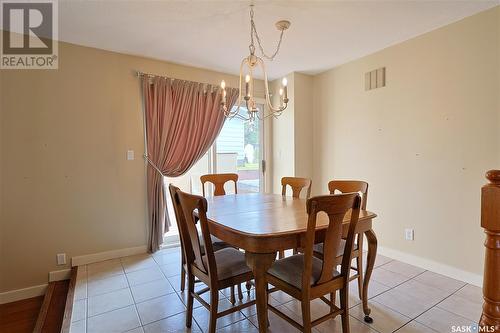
(215, 34)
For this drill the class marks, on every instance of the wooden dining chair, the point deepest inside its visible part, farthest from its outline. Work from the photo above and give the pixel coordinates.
(217, 244)
(297, 184)
(218, 270)
(219, 180)
(306, 277)
(350, 186)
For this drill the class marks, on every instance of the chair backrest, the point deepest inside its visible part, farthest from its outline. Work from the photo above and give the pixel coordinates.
(186, 247)
(194, 207)
(179, 218)
(335, 207)
(297, 184)
(219, 179)
(349, 186)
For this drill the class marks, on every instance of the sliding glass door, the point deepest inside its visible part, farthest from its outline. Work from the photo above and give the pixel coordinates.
(239, 149)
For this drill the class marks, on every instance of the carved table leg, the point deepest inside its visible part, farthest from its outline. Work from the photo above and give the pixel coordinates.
(370, 263)
(260, 263)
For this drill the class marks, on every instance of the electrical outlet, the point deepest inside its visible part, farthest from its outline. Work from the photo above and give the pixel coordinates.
(409, 234)
(61, 258)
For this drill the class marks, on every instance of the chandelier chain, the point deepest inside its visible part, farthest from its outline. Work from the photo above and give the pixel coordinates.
(253, 32)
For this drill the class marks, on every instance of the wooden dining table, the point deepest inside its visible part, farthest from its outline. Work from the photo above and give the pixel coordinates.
(263, 224)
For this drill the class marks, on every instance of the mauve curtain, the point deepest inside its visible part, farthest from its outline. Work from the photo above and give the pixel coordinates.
(183, 119)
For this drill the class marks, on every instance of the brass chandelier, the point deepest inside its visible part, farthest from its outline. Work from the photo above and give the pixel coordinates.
(248, 65)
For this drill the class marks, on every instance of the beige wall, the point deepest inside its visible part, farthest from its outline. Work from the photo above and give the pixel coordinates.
(423, 142)
(303, 111)
(67, 186)
(283, 151)
(292, 131)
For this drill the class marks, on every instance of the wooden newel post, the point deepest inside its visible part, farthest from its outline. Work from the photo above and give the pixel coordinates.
(490, 221)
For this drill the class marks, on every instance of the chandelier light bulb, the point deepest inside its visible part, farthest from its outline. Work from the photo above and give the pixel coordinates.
(223, 84)
(247, 78)
(281, 91)
(284, 82)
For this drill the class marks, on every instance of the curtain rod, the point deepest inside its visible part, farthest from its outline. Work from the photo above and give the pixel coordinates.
(139, 74)
(149, 75)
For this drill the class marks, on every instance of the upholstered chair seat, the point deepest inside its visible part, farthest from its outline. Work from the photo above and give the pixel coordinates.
(318, 248)
(217, 244)
(290, 270)
(230, 262)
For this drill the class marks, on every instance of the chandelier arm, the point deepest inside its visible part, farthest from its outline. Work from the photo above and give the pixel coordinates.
(266, 85)
(274, 115)
(230, 113)
(250, 69)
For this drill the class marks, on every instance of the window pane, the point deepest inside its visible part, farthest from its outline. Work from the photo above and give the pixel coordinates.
(238, 151)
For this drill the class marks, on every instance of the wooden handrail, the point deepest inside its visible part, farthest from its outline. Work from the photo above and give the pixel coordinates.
(490, 221)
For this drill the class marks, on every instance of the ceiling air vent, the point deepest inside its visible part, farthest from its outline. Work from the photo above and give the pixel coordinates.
(375, 79)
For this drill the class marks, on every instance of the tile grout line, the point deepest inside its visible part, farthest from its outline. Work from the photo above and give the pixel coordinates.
(133, 299)
(413, 320)
(396, 311)
(129, 287)
(135, 303)
(178, 296)
(122, 307)
(87, 299)
(350, 316)
(454, 294)
(435, 305)
(391, 288)
(247, 317)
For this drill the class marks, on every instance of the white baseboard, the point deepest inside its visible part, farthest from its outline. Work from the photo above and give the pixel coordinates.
(34, 291)
(63, 274)
(101, 256)
(433, 266)
(19, 294)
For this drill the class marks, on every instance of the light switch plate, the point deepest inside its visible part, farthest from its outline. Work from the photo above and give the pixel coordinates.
(130, 155)
(409, 234)
(61, 258)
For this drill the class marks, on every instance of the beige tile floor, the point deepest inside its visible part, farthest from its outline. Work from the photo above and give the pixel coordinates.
(141, 294)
